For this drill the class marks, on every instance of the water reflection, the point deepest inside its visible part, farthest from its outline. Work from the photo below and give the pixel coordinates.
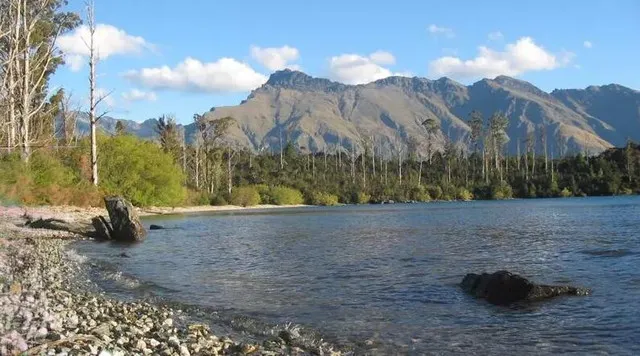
(389, 274)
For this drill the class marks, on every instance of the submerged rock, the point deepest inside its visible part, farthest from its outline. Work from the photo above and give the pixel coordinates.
(125, 224)
(504, 288)
(156, 227)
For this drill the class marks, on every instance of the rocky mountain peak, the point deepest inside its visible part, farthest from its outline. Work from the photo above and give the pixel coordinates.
(296, 80)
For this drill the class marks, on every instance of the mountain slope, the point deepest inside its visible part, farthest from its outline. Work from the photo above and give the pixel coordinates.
(317, 114)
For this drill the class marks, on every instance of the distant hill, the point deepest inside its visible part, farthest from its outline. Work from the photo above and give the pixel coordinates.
(317, 113)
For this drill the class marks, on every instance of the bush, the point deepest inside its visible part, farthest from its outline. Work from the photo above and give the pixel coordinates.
(264, 191)
(44, 180)
(195, 198)
(419, 193)
(501, 191)
(464, 194)
(285, 196)
(324, 199)
(245, 196)
(434, 192)
(363, 198)
(565, 193)
(219, 200)
(140, 171)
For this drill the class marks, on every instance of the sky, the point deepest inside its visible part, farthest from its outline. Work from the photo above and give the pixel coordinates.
(185, 57)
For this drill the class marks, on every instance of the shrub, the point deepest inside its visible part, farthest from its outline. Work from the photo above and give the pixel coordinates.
(501, 191)
(363, 198)
(626, 191)
(565, 193)
(245, 196)
(324, 199)
(285, 196)
(264, 192)
(464, 194)
(434, 192)
(419, 193)
(195, 198)
(219, 200)
(140, 171)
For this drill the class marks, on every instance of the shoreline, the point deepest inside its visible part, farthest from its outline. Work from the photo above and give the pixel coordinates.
(47, 305)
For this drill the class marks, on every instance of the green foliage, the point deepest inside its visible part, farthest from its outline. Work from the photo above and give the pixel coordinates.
(464, 194)
(501, 190)
(324, 199)
(285, 196)
(419, 193)
(363, 198)
(140, 171)
(219, 200)
(565, 193)
(264, 192)
(435, 192)
(245, 196)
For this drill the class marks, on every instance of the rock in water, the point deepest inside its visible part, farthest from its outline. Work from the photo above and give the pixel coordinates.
(504, 288)
(156, 227)
(125, 224)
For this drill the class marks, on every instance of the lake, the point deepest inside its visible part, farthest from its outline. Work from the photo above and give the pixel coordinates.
(383, 279)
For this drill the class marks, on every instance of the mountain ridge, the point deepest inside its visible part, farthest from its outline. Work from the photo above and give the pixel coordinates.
(320, 114)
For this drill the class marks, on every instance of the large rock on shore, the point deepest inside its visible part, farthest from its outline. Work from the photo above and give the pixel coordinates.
(125, 223)
(504, 288)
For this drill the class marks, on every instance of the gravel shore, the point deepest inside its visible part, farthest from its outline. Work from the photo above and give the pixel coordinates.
(47, 309)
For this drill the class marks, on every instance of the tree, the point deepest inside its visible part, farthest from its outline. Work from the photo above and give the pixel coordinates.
(168, 132)
(94, 99)
(29, 54)
(120, 129)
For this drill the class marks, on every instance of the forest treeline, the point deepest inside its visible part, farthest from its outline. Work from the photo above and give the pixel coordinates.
(44, 161)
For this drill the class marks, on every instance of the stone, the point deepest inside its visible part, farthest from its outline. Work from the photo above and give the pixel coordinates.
(125, 222)
(154, 342)
(141, 345)
(184, 351)
(503, 288)
(103, 230)
(156, 227)
(173, 341)
(167, 322)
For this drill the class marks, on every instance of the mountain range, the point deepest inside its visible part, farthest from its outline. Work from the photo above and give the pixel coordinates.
(318, 114)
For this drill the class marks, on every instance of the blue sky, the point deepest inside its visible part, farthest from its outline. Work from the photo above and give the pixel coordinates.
(181, 58)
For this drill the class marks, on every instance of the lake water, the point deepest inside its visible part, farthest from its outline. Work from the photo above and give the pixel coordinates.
(383, 279)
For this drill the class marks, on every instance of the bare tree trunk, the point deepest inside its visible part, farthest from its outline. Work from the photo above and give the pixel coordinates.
(229, 172)
(420, 173)
(281, 150)
(364, 171)
(518, 155)
(373, 156)
(196, 155)
(92, 92)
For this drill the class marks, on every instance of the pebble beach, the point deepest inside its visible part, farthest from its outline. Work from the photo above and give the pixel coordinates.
(48, 307)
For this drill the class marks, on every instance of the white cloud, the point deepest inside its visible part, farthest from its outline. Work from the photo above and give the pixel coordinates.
(496, 36)
(523, 56)
(383, 58)
(441, 31)
(223, 75)
(357, 69)
(139, 95)
(109, 41)
(276, 58)
(587, 44)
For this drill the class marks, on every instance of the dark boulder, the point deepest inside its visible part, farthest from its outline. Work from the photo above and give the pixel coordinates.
(156, 227)
(125, 224)
(504, 288)
(102, 228)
